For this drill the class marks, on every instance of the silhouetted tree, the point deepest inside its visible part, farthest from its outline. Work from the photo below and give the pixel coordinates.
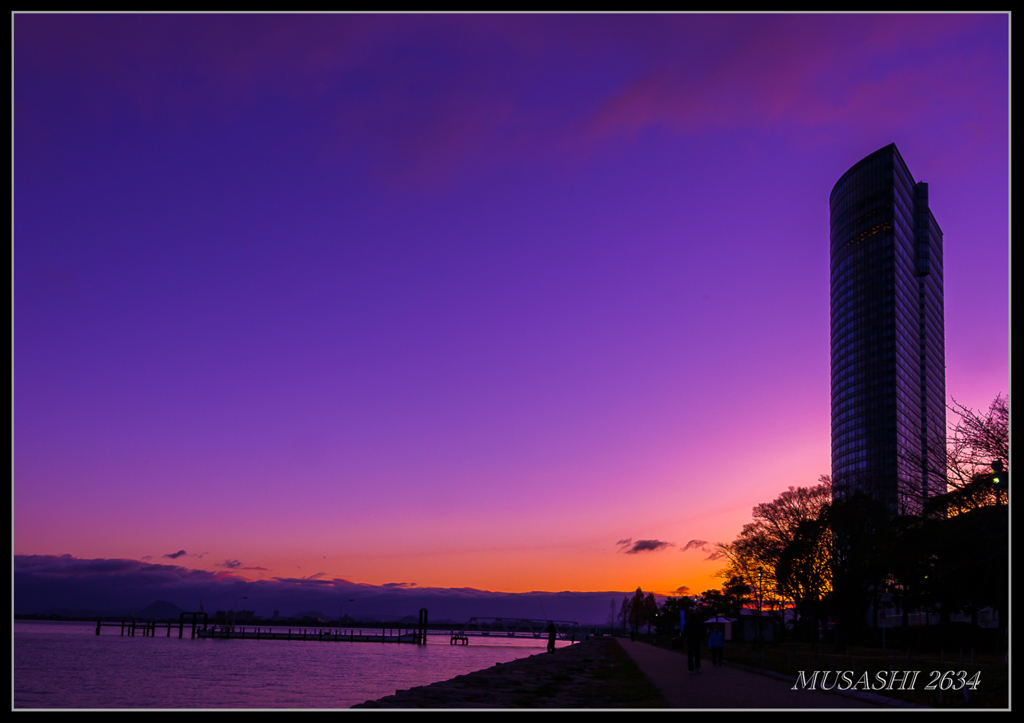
(804, 572)
(755, 554)
(969, 555)
(624, 613)
(735, 593)
(965, 543)
(637, 610)
(713, 602)
(668, 613)
(862, 545)
(840, 557)
(957, 465)
(978, 440)
(650, 610)
(911, 584)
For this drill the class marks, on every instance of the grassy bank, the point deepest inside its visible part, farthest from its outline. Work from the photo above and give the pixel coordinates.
(593, 674)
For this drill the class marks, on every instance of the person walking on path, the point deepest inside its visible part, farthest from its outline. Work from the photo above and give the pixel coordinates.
(716, 642)
(693, 633)
(550, 630)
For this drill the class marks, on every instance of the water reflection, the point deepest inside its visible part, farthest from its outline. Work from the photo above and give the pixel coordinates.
(65, 665)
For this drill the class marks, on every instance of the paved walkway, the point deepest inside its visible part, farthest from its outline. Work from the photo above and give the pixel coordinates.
(724, 686)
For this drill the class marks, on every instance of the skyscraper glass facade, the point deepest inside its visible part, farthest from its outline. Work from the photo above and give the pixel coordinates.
(888, 346)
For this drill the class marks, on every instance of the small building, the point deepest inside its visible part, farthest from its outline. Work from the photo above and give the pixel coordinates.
(750, 627)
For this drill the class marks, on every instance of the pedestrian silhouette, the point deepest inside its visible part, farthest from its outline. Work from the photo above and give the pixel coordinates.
(716, 642)
(693, 632)
(550, 630)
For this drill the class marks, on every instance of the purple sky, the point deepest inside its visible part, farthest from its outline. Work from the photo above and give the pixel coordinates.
(465, 301)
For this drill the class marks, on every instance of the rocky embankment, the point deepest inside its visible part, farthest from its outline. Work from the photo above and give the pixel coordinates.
(596, 673)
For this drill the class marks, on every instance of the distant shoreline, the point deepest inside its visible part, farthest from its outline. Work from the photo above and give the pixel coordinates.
(258, 623)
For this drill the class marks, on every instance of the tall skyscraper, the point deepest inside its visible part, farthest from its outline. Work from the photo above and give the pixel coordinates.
(888, 342)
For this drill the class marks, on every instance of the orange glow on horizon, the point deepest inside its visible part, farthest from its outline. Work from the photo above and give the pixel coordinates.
(661, 573)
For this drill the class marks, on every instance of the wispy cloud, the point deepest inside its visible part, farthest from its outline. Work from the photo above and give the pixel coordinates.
(236, 565)
(420, 123)
(175, 555)
(632, 548)
(704, 546)
(774, 73)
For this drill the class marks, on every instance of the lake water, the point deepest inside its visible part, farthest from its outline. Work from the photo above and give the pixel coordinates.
(66, 665)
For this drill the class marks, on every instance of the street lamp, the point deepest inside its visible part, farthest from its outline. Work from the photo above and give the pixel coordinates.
(1000, 479)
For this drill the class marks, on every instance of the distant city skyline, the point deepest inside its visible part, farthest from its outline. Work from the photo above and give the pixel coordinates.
(503, 302)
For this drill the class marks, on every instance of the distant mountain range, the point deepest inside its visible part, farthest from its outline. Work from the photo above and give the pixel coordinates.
(80, 588)
(160, 610)
(163, 610)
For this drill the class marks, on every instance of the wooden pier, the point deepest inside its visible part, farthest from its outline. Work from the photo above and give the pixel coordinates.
(148, 628)
(200, 627)
(227, 631)
(337, 635)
